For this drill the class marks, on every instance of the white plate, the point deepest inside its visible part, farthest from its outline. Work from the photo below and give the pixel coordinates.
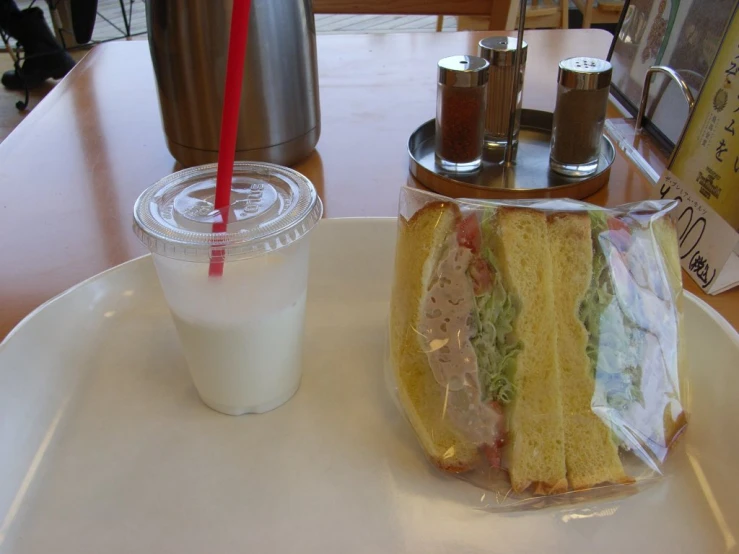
(105, 446)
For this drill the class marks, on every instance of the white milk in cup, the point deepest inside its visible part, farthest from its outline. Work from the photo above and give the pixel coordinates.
(241, 332)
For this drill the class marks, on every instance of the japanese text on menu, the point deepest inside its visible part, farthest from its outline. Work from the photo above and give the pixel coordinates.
(707, 158)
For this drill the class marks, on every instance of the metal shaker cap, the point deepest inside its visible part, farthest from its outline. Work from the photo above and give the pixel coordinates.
(501, 50)
(583, 73)
(463, 71)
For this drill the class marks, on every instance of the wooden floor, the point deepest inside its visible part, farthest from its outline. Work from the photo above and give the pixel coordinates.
(9, 115)
(343, 23)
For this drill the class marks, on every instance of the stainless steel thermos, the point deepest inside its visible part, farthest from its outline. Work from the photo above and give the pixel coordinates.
(279, 118)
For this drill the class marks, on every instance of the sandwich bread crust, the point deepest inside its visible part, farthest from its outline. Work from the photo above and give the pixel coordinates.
(419, 245)
(591, 455)
(536, 451)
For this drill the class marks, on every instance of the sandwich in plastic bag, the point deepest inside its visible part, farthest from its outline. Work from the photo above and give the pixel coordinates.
(535, 346)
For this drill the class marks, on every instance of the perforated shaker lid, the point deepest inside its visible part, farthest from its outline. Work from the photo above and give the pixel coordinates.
(271, 207)
(463, 71)
(500, 51)
(582, 73)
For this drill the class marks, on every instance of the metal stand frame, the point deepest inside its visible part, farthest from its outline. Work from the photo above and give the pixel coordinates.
(682, 85)
(509, 153)
(676, 78)
(18, 56)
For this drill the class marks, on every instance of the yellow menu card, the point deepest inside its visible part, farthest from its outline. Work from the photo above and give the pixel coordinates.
(707, 156)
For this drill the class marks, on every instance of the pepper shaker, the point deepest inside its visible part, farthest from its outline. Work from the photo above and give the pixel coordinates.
(460, 112)
(579, 115)
(500, 52)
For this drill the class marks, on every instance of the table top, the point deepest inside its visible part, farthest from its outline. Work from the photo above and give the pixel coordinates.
(73, 168)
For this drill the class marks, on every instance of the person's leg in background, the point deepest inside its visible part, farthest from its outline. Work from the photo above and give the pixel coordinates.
(8, 11)
(44, 57)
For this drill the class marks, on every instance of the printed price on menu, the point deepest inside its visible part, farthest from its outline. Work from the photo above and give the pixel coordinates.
(705, 240)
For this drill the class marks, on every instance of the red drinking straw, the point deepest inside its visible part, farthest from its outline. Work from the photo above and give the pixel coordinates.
(230, 122)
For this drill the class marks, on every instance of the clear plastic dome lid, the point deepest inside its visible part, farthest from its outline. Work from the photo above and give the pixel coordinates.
(271, 207)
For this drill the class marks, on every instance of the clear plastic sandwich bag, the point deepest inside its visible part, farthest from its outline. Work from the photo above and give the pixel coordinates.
(535, 345)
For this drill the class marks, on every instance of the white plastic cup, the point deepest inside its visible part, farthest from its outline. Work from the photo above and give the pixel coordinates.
(241, 332)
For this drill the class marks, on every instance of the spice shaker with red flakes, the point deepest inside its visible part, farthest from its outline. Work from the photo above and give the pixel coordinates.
(460, 112)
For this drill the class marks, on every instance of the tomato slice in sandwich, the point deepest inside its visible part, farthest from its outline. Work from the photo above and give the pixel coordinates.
(468, 233)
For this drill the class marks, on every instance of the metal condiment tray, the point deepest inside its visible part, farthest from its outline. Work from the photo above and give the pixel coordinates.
(530, 177)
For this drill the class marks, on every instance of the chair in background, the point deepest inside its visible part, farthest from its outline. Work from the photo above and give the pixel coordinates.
(605, 11)
(539, 14)
(496, 11)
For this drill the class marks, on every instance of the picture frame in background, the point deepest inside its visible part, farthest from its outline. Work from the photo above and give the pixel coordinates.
(682, 34)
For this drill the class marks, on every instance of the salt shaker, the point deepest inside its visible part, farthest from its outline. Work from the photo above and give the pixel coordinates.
(500, 52)
(460, 112)
(579, 115)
